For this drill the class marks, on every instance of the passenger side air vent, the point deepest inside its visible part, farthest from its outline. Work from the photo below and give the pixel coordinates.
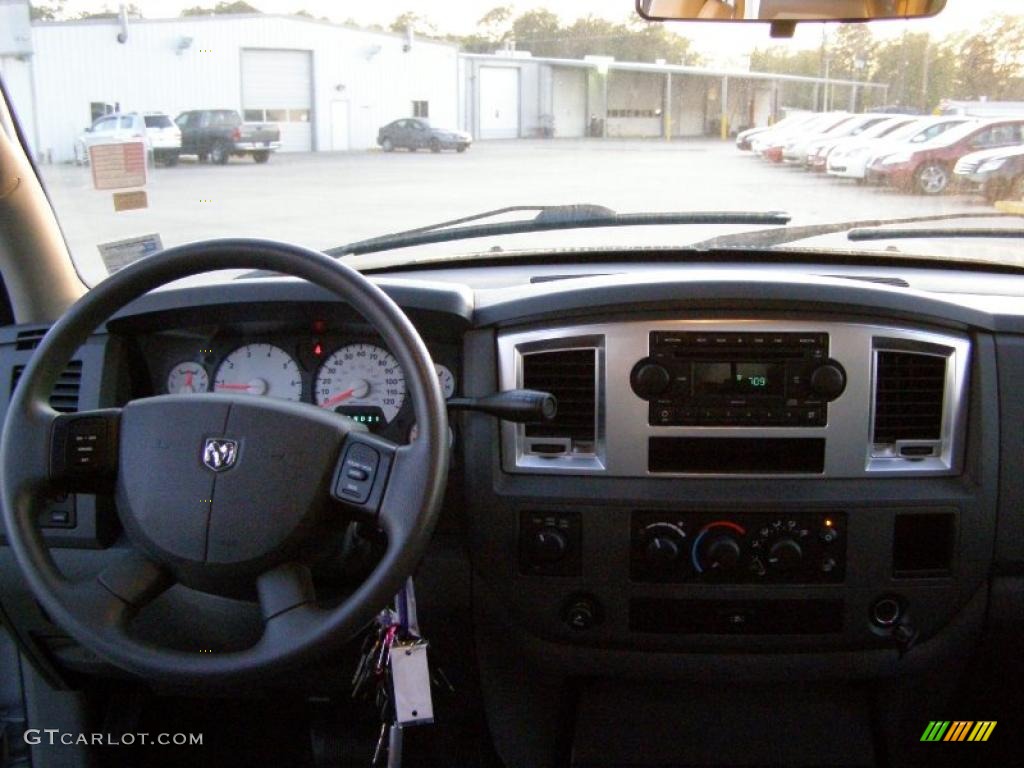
(30, 339)
(571, 376)
(65, 393)
(910, 390)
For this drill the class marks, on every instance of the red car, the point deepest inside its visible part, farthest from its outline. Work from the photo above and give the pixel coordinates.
(928, 168)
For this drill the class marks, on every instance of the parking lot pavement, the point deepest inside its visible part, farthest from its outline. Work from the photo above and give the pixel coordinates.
(325, 199)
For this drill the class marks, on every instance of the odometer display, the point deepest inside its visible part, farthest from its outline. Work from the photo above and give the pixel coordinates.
(359, 377)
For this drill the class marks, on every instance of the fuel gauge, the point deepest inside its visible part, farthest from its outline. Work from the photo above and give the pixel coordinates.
(187, 378)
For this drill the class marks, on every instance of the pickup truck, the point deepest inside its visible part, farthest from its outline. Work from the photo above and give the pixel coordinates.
(217, 134)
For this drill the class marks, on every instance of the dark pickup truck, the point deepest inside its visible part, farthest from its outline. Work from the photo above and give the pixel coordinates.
(217, 134)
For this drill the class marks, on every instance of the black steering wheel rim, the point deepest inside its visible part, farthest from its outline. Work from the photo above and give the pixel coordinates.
(296, 630)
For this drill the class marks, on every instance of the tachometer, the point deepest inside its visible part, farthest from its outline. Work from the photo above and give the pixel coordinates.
(186, 378)
(362, 381)
(260, 369)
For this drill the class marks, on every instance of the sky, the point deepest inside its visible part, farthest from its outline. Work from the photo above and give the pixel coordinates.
(719, 42)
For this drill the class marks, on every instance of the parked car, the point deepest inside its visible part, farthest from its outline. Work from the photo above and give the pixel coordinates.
(744, 139)
(414, 133)
(218, 134)
(818, 153)
(798, 151)
(772, 145)
(850, 161)
(155, 129)
(998, 174)
(928, 169)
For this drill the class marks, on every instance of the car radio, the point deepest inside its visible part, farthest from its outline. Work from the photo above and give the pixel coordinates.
(706, 378)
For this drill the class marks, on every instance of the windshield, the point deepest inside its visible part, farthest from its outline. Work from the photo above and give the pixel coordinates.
(157, 121)
(326, 124)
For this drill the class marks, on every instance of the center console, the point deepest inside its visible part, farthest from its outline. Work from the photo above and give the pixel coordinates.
(733, 483)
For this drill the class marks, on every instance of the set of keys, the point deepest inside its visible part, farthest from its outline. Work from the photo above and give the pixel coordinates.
(394, 671)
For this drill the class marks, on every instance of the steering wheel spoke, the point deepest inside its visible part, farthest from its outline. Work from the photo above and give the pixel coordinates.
(283, 588)
(120, 590)
(84, 450)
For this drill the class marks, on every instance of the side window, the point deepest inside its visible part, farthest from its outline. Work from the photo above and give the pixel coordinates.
(204, 120)
(126, 123)
(98, 109)
(182, 120)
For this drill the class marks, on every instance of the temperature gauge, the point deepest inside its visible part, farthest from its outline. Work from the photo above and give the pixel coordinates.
(186, 378)
(446, 379)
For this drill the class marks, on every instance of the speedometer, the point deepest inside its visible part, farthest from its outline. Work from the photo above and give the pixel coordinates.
(362, 381)
(260, 369)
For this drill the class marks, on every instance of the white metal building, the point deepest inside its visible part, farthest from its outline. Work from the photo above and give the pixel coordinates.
(513, 94)
(329, 87)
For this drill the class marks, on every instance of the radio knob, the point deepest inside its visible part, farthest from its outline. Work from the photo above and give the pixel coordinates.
(722, 554)
(828, 380)
(785, 554)
(650, 380)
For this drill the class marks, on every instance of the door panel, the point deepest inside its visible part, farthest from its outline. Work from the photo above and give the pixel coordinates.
(499, 102)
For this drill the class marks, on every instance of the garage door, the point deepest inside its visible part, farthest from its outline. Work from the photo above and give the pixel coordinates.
(277, 87)
(570, 102)
(499, 102)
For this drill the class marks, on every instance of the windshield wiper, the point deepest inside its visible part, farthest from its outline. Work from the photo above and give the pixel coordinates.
(769, 238)
(883, 233)
(550, 217)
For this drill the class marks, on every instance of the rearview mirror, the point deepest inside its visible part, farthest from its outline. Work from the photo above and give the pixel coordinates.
(786, 10)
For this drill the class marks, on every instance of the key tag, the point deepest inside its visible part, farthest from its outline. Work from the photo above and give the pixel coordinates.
(410, 672)
(410, 682)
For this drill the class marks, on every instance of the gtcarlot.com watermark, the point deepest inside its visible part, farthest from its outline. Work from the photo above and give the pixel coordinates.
(55, 736)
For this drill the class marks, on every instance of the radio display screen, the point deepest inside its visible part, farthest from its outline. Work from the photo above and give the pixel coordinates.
(738, 378)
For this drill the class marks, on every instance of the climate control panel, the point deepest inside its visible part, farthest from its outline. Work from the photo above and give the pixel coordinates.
(797, 547)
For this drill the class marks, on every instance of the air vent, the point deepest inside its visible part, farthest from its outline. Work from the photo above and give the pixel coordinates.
(65, 392)
(909, 390)
(570, 375)
(26, 340)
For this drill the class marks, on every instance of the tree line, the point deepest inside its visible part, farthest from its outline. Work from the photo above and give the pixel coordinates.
(921, 70)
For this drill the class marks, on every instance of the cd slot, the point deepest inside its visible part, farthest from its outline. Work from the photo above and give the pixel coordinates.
(735, 455)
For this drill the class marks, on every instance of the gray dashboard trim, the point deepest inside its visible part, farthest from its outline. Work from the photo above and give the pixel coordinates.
(623, 429)
(707, 288)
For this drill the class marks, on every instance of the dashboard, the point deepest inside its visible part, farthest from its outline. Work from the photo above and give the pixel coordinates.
(781, 461)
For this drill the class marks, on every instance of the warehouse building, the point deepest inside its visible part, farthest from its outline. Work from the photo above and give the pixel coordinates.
(329, 87)
(513, 94)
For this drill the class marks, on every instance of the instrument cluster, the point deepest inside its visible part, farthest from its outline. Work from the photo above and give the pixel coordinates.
(357, 377)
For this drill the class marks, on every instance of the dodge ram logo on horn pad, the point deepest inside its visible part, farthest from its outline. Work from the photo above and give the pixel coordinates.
(219, 453)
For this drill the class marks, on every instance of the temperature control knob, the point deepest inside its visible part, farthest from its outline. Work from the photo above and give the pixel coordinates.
(650, 379)
(785, 554)
(722, 554)
(828, 380)
(717, 548)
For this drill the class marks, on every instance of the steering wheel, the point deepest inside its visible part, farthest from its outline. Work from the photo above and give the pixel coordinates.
(224, 494)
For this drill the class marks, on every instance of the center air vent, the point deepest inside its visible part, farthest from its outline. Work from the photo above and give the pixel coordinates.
(65, 392)
(909, 397)
(571, 376)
